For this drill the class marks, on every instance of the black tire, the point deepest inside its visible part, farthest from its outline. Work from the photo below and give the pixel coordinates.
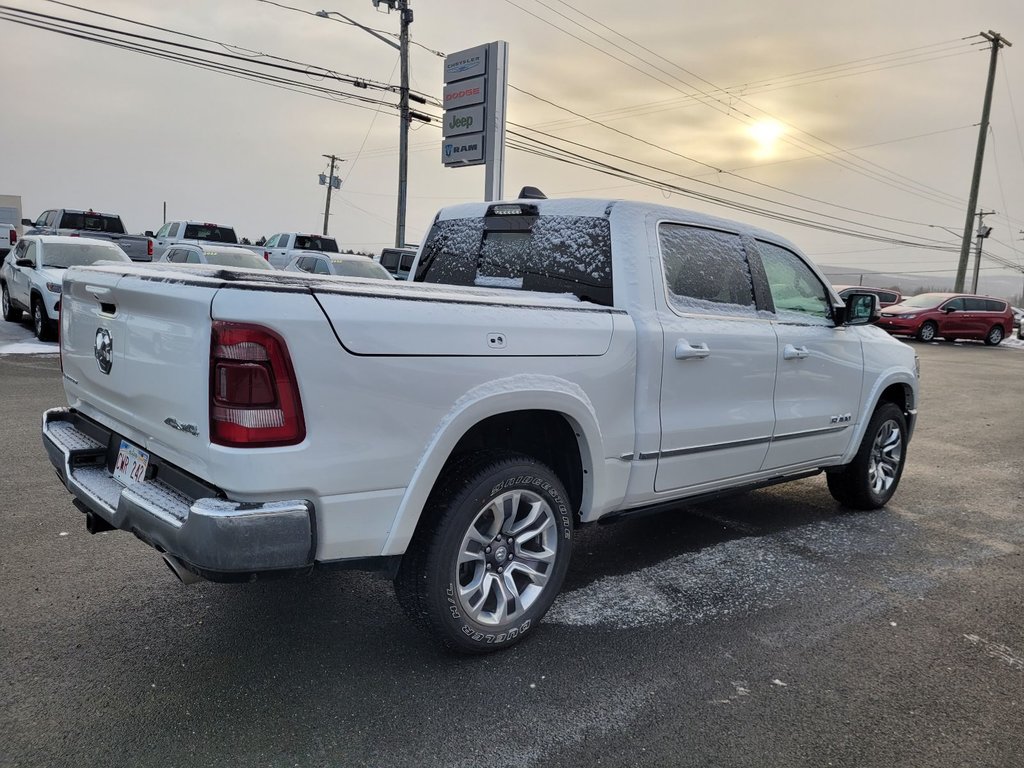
(855, 485)
(430, 582)
(927, 331)
(11, 313)
(994, 336)
(42, 325)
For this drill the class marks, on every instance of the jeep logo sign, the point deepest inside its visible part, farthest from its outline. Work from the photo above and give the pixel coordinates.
(459, 121)
(465, 149)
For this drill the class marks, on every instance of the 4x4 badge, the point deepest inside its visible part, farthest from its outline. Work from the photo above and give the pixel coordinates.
(104, 350)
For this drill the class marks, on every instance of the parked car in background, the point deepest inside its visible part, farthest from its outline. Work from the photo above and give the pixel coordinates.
(886, 296)
(1018, 316)
(178, 232)
(101, 226)
(30, 278)
(210, 253)
(950, 316)
(397, 261)
(8, 239)
(340, 264)
(281, 248)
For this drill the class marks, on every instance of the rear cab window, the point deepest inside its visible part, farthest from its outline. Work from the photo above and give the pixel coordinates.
(210, 233)
(515, 247)
(92, 222)
(315, 243)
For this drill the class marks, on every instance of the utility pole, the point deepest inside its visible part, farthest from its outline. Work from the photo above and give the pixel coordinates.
(403, 109)
(998, 41)
(983, 232)
(332, 182)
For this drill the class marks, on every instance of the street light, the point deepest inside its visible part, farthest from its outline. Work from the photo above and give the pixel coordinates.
(403, 100)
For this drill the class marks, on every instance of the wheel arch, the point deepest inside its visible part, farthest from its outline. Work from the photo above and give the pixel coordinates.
(898, 388)
(548, 418)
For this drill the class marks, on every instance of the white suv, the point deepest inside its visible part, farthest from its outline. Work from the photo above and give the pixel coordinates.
(30, 278)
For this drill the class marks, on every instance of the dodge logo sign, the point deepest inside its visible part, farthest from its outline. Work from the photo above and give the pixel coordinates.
(104, 350)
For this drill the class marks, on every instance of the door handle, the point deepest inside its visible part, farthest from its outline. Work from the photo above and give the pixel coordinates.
(686, 351)
(789, 352)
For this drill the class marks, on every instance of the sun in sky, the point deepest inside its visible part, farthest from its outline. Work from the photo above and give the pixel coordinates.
(766, 134)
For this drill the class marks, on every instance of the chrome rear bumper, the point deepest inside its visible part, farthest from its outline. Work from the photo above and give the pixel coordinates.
(176, 513)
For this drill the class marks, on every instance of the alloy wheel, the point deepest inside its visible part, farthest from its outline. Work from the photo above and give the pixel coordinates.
(886, 455)
(507, 557)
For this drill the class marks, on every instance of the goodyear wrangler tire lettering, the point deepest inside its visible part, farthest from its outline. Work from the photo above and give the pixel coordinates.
(491, 552)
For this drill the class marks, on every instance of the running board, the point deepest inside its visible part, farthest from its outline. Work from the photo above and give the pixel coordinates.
(664, 506)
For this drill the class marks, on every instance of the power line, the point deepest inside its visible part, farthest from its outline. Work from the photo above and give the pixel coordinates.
(730, 110)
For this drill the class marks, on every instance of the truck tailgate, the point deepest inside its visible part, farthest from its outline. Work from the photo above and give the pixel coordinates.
(135, 246)
(136, 358)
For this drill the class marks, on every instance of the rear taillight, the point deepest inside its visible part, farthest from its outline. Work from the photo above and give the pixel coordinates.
(149, 248)
(254, 396)
(14, 238)
(60, 332)
(266, 255)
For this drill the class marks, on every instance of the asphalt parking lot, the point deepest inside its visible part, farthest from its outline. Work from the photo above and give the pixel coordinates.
(771, 629)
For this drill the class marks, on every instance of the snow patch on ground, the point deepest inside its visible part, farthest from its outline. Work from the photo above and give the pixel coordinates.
(18, 339)
(732, 578)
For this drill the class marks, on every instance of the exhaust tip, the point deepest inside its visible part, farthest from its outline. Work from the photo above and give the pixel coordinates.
(185, 576)
(95, 524)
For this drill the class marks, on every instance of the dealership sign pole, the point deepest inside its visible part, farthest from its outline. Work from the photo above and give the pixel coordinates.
(475, 91)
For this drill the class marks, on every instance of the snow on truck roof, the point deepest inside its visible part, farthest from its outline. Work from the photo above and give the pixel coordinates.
(598, 207)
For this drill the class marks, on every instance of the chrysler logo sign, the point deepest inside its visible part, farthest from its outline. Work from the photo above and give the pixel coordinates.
(104, 350)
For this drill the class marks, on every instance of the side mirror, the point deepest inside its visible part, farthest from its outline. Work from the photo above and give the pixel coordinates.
(947, 310)
(28, 223)
(860, 309)
(25, 263)
(149, 233)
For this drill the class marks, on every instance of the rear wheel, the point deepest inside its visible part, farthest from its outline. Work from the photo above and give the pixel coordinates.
(41, 323)
(11, 313)
(491, 556)
(927, 331)
(994, 335)
(871, 479)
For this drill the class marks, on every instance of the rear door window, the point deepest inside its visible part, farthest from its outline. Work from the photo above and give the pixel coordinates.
(706, 270)
(975, 305)
(993, 305)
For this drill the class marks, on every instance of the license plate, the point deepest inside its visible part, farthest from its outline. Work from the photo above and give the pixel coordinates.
(131, 464)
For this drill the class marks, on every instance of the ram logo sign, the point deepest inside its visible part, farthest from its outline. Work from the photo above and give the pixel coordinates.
(465, 149)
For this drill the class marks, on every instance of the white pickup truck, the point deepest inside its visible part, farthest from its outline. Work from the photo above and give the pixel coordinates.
(102, 226)
(558, 362)
(193, 232)
(282, 247)
(8, 239)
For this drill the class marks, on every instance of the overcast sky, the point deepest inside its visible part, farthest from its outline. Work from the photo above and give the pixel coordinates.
(877, 104)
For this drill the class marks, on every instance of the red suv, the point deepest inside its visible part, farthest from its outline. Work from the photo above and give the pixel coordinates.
(951, 316)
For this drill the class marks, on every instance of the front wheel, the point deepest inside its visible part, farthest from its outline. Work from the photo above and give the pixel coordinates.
(41, 323)
(994, 336)
(11, 314)
(871, 479)
(927, 331)
(491, 554)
